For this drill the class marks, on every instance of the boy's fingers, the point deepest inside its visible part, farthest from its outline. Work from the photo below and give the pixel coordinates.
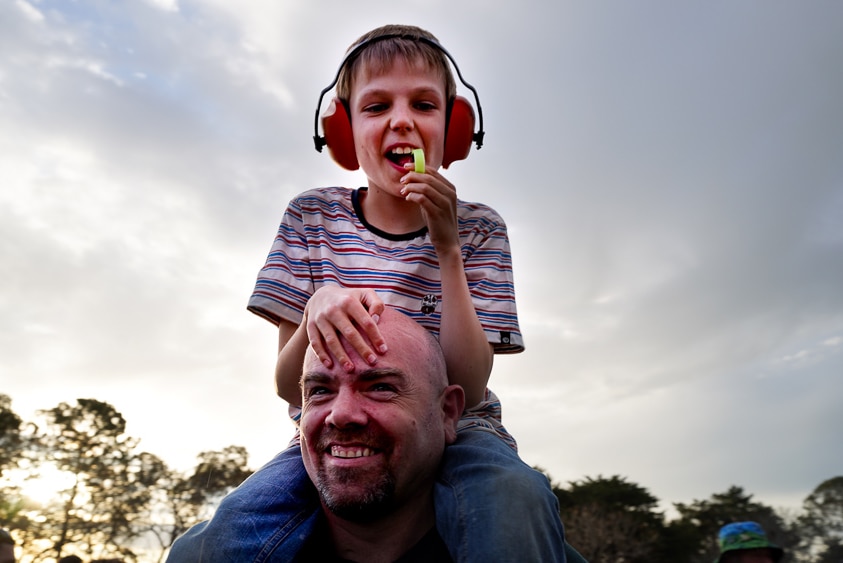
(369, 322)
(352, 315)
(369, 326)
(354, 331)
(319, 349)
(372, 302)
(326, 344)
(330, 334)
(336, 349)
(359, 344)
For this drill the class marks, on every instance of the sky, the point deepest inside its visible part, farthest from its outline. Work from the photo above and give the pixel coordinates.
(671, 175)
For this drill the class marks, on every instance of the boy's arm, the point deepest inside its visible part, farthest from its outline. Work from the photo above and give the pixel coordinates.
(468, 353)
(292, 344)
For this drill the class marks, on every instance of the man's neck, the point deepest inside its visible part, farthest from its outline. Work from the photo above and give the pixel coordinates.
(384, 540)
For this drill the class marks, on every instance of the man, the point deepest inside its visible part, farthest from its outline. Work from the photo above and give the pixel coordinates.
(746, 542)
(372, 441)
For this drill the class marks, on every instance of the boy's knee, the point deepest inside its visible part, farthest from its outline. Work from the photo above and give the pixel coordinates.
(532, 485)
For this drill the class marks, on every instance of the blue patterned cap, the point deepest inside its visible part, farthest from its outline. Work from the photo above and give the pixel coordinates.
(745, 535)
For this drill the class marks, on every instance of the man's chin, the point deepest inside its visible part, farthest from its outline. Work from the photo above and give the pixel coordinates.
(361, 510)
(357, 499)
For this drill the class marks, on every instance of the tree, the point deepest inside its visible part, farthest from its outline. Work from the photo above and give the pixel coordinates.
(10, 435)
(831, 553)
(187, 499)
(822, 521)
(115, 495)
(700, 522)
(611, 520)
(12, 505)
(110, 484)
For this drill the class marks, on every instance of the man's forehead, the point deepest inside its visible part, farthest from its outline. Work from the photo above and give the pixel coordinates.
(402, 335)
(368, 374)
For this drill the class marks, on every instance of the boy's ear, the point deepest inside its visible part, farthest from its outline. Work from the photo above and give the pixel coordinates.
(460, 132)
(336, 125)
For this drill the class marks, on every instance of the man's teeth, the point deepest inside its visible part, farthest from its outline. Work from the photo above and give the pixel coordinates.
(402, 150)
(350, 452)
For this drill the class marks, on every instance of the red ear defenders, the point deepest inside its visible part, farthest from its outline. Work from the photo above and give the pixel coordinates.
(336, 123)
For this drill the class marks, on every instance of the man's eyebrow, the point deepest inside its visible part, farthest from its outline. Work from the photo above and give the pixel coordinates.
(315, 377)
(372, 374)
(366, 376)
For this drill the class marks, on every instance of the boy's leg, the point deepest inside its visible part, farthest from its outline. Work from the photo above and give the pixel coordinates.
(491, 506)
(266, 518)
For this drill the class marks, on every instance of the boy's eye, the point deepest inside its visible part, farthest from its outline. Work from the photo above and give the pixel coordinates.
(375, 108)
(425, 106)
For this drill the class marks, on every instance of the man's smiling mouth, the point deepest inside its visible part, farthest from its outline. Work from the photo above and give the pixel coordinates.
(346, 452)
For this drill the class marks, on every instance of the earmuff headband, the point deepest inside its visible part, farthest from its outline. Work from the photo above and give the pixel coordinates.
(319, 141)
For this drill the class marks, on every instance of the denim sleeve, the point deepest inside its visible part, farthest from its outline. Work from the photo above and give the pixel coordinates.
(266, 519)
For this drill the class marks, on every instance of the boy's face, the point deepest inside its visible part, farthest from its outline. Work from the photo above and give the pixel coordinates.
(403, 107)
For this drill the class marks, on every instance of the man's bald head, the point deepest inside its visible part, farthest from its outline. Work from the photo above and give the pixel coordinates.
(405, 338)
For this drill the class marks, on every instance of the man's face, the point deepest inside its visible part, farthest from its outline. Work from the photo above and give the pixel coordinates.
(372, 439)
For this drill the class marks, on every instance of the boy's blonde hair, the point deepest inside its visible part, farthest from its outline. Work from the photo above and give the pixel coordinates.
(386, 44)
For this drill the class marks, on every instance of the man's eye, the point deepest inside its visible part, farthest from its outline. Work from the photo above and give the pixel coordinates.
(316, 391)
(382, 388)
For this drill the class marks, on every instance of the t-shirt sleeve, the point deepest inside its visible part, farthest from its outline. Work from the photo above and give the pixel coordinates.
(488, 268)
(284, 284)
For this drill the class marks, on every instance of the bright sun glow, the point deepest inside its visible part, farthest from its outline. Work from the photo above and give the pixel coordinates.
(47, 486)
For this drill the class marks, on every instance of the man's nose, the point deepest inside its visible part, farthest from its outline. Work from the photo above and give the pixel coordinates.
(347, 410)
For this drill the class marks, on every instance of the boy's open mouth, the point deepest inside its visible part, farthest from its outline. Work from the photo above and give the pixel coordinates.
(400, 155)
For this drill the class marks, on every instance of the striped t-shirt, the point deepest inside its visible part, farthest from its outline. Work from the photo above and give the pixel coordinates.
(325, 239)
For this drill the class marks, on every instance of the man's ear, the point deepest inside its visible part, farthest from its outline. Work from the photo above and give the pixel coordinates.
(453, 403)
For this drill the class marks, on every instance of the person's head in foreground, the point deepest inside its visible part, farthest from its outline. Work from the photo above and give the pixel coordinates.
(373, 438)
(746, 542)
(7, 547)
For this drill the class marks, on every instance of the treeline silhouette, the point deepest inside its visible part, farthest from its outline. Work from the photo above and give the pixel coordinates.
(121, 503)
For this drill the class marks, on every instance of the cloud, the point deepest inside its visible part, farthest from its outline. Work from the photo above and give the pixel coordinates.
(670, 176)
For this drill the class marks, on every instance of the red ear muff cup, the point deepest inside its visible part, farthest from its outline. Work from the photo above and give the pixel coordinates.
(336, 125)
(460, 133)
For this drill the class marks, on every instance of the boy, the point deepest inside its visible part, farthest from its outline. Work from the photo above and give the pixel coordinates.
(405, 240)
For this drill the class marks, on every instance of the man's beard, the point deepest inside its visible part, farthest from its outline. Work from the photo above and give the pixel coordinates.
(374, 501)
(362, 494)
